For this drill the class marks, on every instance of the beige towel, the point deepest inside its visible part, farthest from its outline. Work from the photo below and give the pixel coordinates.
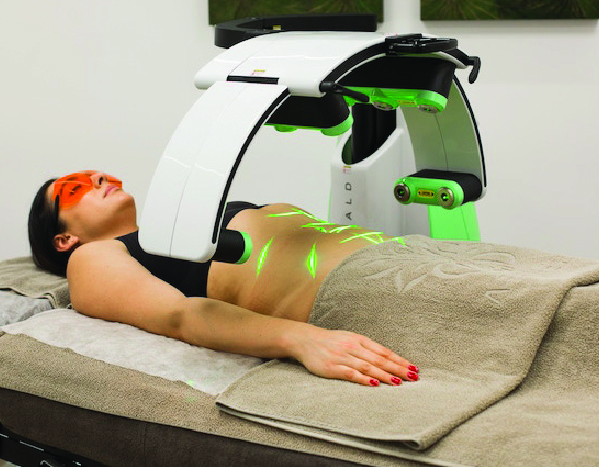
(552, 418)
(24, 277)
(471, 315)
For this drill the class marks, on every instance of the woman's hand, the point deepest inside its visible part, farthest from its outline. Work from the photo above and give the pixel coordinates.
(352, 357)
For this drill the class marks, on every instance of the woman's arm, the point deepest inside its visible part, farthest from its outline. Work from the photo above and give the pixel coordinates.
(331, 354)
(106, 282)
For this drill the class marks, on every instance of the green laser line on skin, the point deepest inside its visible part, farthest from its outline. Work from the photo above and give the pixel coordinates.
(343, 228)
(263, 255)
(312, 261)
(322, 226)
(399, 240)
(375, 238)
(319, 224)
(290, 213)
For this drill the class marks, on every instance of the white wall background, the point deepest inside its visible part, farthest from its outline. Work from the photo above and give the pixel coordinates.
(103, 84)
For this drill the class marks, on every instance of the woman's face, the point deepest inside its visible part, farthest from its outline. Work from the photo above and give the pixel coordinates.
(102, 212)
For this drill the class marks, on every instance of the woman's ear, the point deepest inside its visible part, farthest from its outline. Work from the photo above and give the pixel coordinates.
(65, 242)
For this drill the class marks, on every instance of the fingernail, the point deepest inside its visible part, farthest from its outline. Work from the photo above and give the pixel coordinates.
(413, 368)
(413, 376)
(396, 381)
(374, 382)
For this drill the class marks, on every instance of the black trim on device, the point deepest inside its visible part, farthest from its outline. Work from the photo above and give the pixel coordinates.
(257, 126)
(229, 33)
(253, 79)
(478, 138)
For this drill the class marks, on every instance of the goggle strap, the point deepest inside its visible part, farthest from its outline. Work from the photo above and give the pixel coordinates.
(56, 202)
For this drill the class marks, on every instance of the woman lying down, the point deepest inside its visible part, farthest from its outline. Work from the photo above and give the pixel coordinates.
(84, 226)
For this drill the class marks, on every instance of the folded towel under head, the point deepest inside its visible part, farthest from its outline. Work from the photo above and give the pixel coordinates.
(22, 276)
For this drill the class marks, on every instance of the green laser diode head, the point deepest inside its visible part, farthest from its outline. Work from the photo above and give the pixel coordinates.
(402, 193)
(445, 197)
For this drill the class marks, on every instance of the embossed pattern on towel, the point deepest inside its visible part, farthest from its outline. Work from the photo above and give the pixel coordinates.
(470, 315)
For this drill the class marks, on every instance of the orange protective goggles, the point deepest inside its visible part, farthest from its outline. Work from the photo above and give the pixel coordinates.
(69, 190)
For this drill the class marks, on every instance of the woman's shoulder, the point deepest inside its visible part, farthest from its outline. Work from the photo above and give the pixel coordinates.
(106, 282)
(99, 249)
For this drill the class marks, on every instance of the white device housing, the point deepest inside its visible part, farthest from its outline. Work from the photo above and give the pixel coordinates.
(244, 85)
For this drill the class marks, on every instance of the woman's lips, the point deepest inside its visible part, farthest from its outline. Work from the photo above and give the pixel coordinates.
(110, 189)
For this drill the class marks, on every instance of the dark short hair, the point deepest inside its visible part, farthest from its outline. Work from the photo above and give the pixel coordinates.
(42, 226)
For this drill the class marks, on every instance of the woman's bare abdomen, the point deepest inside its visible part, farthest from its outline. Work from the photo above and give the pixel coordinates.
(292, 254)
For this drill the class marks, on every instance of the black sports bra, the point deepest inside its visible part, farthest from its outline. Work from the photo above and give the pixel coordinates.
(189, 277)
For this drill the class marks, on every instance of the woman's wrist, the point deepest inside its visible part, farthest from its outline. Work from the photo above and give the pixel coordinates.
(293, 340)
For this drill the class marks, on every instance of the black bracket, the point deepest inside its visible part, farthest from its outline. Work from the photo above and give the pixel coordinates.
(328, 86)
(418, 44)
(415, 44)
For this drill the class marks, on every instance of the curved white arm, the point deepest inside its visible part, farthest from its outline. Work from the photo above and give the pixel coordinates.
(183, 209)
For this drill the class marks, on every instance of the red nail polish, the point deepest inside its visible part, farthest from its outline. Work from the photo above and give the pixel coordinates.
(374, 382)
(396, 381)
(413, 368)
(413, 376)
